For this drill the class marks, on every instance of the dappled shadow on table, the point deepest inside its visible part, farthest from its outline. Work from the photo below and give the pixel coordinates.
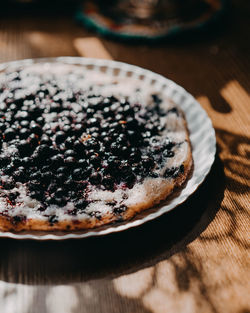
(155, 260)
(235, 152)
(81, 260)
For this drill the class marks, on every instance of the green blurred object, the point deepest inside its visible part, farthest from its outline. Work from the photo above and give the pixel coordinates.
(149, 20)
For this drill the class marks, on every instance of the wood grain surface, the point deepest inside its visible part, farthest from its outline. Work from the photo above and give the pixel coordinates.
(194, 259)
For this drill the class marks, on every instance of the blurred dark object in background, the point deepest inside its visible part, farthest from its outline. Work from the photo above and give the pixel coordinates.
(150, 19)
(130, 20)
(48, 7)
(143, 10)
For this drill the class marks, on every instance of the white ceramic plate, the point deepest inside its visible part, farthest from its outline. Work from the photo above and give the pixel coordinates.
(202, 137)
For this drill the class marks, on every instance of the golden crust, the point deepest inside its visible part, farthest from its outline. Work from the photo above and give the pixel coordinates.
(9, 224)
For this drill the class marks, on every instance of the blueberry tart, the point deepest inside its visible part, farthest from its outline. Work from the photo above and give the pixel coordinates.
(80, 149)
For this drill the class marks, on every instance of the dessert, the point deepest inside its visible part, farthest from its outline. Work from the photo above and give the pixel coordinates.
(79, 149)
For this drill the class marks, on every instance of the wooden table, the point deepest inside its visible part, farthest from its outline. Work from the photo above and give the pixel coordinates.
(194, 259)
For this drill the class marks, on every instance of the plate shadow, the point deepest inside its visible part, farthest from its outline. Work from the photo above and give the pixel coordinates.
(45, 263)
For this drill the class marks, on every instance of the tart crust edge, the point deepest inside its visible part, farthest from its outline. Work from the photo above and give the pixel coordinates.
(8, 223)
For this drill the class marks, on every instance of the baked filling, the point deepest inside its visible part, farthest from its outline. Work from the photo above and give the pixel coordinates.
(70, 151)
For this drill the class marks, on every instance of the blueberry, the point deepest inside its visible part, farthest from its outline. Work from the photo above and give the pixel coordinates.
(60, 137)
(4, 160)
(171, 172)
(113, 164)
(108, 101)
(36, 129)
(70, 161)
(83, 163)
(93, 122)
(2, 126)
(127, 110)
(122, 139)
(8, 184)
(37, 194)
(69, 184)
(147, 134)
(124, 151)
(25, 123)
(105, 127)
(125, 169)
(40, 120)
(19, 218)
(107, 141)
(87, 172)
(45, 140)
(174, 111)
(103, 134)
(30, 96)
(61, 201)
(92, 144)
(52, 187)
(56, 160)
(59, 193)
(44, 151)
(42, 207)
(57, 99)
(66, 129)
(78, 147)
(62, 170)
(115, 127)
(35, 176)
(49, 200)
(24, 133)
(69, 152)
(77, 173)
(9, 134)
(49, 132)
(108, 182)
(46, 177)
(13, 195)
(169, 144)
(16, 161)
(34, 185)
(53, 219)
(95, 160)
(19, 175)
(69, 142)
(168, 153)
(130, 179)
(78, 129)
(115, 148)
(95, 178)
(45, 168)
(55, 107)
(90, 112)
(27, 161)
(8, 169)
(33, 140)
(81, 204)
(152, 128)
(61, 177)
(12, 107)
(135, 156)
(147, 162)
(24, 148)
